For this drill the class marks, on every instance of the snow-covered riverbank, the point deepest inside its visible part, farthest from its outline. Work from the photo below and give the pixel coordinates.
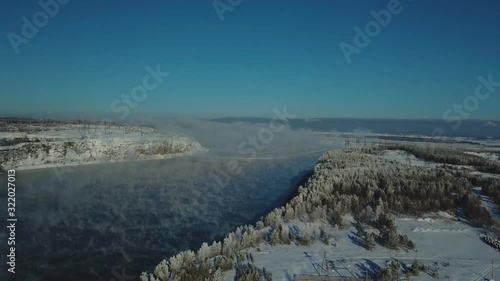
(33, 146)
(448, 247)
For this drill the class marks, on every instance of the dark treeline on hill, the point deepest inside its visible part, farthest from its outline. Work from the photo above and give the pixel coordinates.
(450, 156)
(426, 139)
(22, 121)
(14, 121)
(361, 183)
(14, 141)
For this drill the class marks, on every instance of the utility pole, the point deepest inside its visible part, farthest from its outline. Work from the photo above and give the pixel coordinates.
(324, 259)
(492, 261)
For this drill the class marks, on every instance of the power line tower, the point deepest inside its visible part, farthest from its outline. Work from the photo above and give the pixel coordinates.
(347, 144)
(107, 128)
(86, 127)
(325, 266)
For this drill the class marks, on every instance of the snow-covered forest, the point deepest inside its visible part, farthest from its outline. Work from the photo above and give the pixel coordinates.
(360, 183)
(452, 156)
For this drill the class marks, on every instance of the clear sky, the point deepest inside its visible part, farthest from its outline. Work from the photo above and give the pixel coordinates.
(263, 54)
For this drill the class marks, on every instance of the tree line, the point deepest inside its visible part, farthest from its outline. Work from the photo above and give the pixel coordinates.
(447, 155)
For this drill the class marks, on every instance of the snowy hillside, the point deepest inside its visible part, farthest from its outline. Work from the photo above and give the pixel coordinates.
(35, 145)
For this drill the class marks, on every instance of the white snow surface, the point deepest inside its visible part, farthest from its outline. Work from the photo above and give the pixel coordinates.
(403, 157)
(453, 247)
(72, 144)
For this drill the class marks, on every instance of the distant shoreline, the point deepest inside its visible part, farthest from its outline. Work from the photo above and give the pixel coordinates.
(71, 165)
(39, 145)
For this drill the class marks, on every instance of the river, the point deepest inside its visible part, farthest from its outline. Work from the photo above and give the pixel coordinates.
(110, 222)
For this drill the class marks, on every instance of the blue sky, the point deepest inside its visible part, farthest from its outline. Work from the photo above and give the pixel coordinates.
(264, 54)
